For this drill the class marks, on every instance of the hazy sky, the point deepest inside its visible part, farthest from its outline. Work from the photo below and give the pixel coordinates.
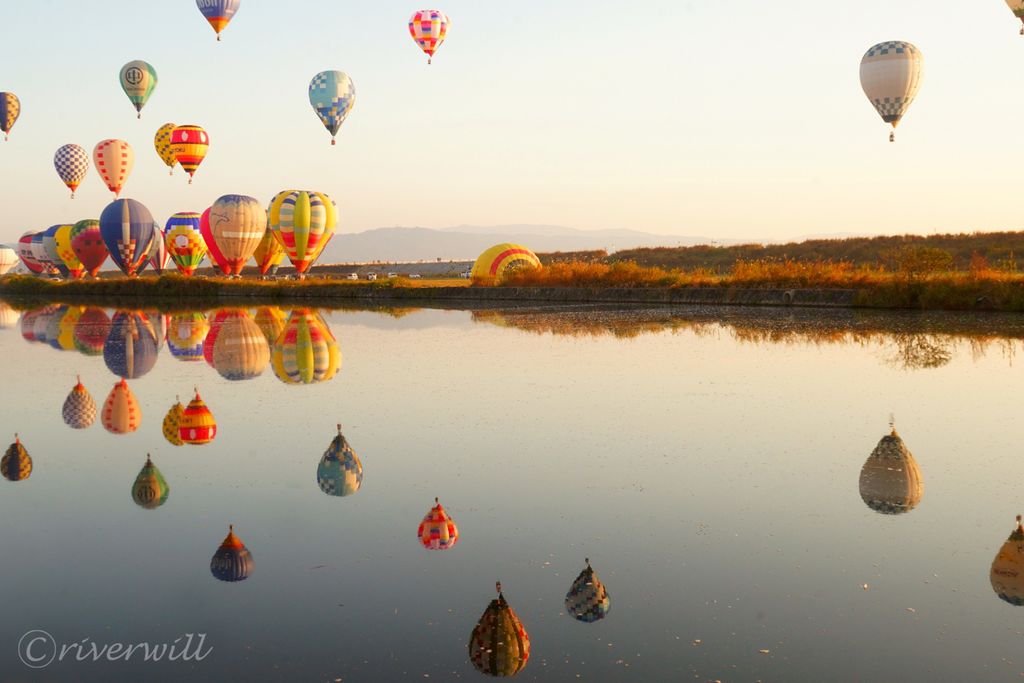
(739, 119)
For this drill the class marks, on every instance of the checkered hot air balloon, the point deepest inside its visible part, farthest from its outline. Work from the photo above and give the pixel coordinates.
(138, 80)
(190, 143)
(303, 222)
(16, 465)
(150, 489)
(127, 228)
(162, 144)
(79, 409)
(306, 352)
(172, 424)
(340, 473)
(587, 599)
(186, 333)
(71, 163)
(88, 245)
(499, 645)
(232, 561)
(10, 110)
(240, 351)
(197, 424)
(332, 96)
(184, 241)
(437, 531)
(890, 75)
(218, 12)
(428, 28)
(114, 160)
(121, 412)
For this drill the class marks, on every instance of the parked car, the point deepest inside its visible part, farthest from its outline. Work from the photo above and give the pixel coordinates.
(392, 274)
(371, 276)
(352, 276)
(414, 276)
(465, 274)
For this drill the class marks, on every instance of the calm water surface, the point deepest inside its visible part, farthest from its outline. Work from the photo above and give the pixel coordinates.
(706, 461)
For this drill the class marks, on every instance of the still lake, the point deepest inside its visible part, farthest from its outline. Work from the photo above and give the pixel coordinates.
(707, 461)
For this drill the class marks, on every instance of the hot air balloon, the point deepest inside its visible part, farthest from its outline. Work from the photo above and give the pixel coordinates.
(91, 331)
(240, 350)
(8, 259)
(890, 481)
(587, 599)
(162, 143)
(150, 489)
(138, 80)
(39, 252)
(1007, 573)
(114, 160)
(54, 327)
(216, 323)
(890, 74)
(303, 222)
(437, 530)
(16, 465)
(10, 109)
(158, 253)
(340, 473)
(499, 645)
(218, 12)
(237, 224)
(127, 228)
(52, 254)
(197, 424)
(185, 335)
(190, 144)
(79, 409)
(66, 252)
(428, 28)
(28, 325)
(26, 255)
(184, 241)
(88, 245)
(306, 352)
(212, 249)
(72, 163)
(232, 561)
(8, 316)
(271, 321)
(496, 263)
(66, 328)
(269, 253)
(172, 423)
(131, 347)
(332, 95)
(1017, 7)
(121, 412)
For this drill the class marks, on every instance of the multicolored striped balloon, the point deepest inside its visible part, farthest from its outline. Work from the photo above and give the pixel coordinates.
(127, 228)
(50, 248)
(190, 144)
(428, 28)
(186, 333)
(72, 163)
(197, 424)
(303, 222)
(332, 96)
(218, 12)
(184, 241)
(306, 352)
(138, 80)
(500, 260)
(150, 489)
(10, 110)
(114, 160)
(437, 531)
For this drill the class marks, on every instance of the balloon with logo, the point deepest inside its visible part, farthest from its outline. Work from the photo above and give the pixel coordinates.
(10, 110)
(499, 645)
(162, 143)
(184, 241)
(71, 163)
(186, 333)
(114, 160)
(138, 79)
(39, 253)
(232, 561)
(332, 96)
(189, 144)
(67, 253)
(150, 489)
(158, 253)
(127, 228)
(306, 352)
(428, 28)
(26, 255)
(218, 12)
(121, 412)
(340, 473)
(88, 245)
(303, 222)
(212, 250)
(237, 224)
(269, 253)
(79, 409)
(890, 75)
(50, 246)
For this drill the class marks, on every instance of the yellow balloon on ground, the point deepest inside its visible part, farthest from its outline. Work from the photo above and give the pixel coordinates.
(66, 253)
(269, 252)
(304, 223)
(890, 74)
(495, 264)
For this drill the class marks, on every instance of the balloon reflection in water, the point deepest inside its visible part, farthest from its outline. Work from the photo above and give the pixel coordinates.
(340, 473)
(499, 645)
(306, 352)
(16, 464)
(172, 424)
(186, 333)
(66, 328)
(150, 490)
(131, 347)
(121, 412)
(587, 599)
(8, 316)
(91, 331)
(232, 561)
(79, 409)
(890, 481)
(437, 531)
(1007, 573)
(216, 322)
(271, 321)
(197, 424)
(240, 350)
(53, 328)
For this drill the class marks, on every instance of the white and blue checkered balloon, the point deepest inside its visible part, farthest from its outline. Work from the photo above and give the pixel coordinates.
(332, 95)
(72, 163)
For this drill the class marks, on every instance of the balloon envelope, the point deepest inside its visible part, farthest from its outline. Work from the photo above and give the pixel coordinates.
(211, 245)
(237, 224)
(66, 252)
(1007, 572)
(71, 163)
(52, 253)
(496, 263)
(340, 473)
(121, 412)
(890, 481)
(218, 12)
(890, 74)
(10, 110)
(138, 80)
(131, 347)
(303, 223)
(332, 96)
(162, 144)
(240, 350)
(184, 241)
(587, 599)
(158, 253)
(26, 254)
(88, 245)
(127, 228)
(429, 28)
(16, 465)
(114, 160)
(186, 333)
(190, 144)
(91, 331)
(499, 645)
(150, 489)
(437, 531)
(306, 351)
(232, 561)
(197, 424)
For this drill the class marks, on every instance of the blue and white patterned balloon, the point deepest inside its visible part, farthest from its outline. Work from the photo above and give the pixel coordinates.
(72, 163)
(332, 95)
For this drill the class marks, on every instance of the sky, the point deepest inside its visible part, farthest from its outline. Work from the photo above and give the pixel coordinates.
(738, 120)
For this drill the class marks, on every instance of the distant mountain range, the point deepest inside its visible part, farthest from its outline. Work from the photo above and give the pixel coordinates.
(465, 242)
